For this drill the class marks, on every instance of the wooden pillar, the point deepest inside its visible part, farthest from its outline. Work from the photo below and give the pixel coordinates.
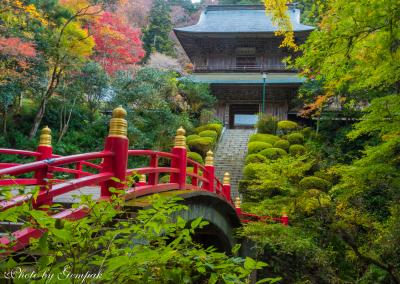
(142, 180)
(180, 162)
(226, 187)
(209, 172)
(285, 219)
(238, 203)
(43, 175)
(153, 177)
(118, 143)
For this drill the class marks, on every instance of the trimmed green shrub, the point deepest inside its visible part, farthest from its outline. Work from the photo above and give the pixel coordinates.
(297, 150)
(273, 153)
(165, 179)
(257, 192)
(201, 145)
(330, 175)
(255, 147)
(216, 127)
(212, 126)
(287, 126)
(209, 133)
(269, 188)
(295, 138)
(311, 201)
(283, 144)
(252, 170)
(255, 158)
(307, 132)
(191, 137)
(314, 183)
(244, 185)
(266, 123)
(195, 157)
(267, 138)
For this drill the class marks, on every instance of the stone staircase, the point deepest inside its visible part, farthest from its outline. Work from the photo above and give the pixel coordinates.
(230, 155)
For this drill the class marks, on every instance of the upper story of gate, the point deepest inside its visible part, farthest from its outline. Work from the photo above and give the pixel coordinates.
(238, 38)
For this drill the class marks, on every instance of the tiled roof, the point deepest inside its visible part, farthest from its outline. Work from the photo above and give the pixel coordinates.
(240, 19)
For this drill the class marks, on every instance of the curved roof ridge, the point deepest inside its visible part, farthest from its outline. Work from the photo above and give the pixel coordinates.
(234, 7)
(240, 19)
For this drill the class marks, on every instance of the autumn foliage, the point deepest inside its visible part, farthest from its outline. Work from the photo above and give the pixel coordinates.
(118, 46)
(16, 47)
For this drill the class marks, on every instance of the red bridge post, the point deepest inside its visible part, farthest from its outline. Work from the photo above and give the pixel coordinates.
(238, 203)
(42, 176)
(210, 172)
(181, 161)
(118, 143)
(142, 180)
(285, 219)
(226, 186)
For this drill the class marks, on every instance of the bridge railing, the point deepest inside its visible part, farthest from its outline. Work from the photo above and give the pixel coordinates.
(110, 173)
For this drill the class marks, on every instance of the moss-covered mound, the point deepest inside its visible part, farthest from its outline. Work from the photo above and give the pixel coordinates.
(212, 126)
(287, 126)
(209, 133)
(297, 150)
(201, 145)
(314, 183)
(273, 153)
(255, 158)
(252, 170)
(282, 144)
(259, 192)
(295, 138)
(307, 132)
(192, 137)
(267, 138)
(195, 157)
(165, 179)
(255, 147)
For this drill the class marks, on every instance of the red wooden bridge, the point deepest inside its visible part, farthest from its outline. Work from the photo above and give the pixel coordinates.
(108, 169)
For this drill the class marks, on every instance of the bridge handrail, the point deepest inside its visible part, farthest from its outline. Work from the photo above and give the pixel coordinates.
(194, 163)
(150, 153)
(7, 151)
(33, 166)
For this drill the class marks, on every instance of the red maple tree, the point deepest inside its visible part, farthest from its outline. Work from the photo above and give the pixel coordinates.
(118, 46)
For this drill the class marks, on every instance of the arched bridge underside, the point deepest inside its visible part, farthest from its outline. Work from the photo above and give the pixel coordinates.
(221, 216)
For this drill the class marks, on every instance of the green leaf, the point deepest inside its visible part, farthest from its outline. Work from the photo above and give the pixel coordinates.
(43, 244)
(213, 278)
(180, 222)
(250, 263)
(195, 223)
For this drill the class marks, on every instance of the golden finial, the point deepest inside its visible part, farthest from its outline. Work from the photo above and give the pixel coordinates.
(238, 202)
(180, 139)
(118, 123)
(227, 179)
(142, 178)
(210, 158)
(45, 137)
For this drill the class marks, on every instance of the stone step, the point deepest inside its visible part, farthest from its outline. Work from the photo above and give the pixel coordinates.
(230, 154)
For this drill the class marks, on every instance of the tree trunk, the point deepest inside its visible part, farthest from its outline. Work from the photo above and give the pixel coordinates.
(38, 118)
(66, 124)
(55, 79)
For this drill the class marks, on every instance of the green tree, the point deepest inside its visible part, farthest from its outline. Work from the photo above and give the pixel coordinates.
(355, 50)
(156, 36)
